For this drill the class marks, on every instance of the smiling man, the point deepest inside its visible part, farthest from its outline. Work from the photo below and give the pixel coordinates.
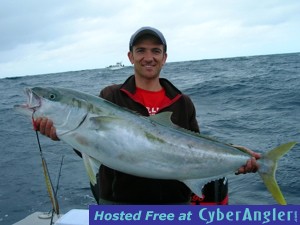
(148, 94)
(148, 55)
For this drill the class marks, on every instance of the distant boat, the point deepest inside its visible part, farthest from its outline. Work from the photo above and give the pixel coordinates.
(117, 66)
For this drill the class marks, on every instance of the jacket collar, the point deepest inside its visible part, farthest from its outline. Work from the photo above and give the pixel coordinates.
(171, 91)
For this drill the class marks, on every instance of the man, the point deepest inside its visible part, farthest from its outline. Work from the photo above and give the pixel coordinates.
(146, 93)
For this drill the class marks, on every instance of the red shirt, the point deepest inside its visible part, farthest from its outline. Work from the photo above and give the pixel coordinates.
(152, 100)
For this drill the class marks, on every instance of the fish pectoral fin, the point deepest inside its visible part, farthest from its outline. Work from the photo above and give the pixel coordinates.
(91, 166)
(196, 185)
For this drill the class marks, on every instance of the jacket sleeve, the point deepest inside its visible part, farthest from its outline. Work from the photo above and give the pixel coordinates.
(193, 123)
(108, 93)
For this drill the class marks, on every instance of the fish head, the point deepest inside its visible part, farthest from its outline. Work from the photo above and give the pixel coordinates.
(62, 106)
(32, 104)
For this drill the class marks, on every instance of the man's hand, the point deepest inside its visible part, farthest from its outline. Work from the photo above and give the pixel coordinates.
(251, 165)
(45, 127)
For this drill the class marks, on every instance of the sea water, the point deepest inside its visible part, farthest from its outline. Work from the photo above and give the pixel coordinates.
(250, 101)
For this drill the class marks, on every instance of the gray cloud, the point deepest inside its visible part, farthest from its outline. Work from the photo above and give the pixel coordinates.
(55, 35)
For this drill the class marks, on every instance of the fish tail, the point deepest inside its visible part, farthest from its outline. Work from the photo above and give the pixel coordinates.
(268, 168)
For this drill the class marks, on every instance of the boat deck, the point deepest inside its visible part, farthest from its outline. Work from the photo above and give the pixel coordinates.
(74, 217)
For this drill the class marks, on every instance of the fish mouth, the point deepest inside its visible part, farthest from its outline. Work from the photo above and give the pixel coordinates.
(33, 100)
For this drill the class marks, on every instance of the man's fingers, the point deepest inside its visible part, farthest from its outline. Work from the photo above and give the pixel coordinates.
(48, 126)
(254, 165)
(53, 135)
(45, 127)
(42, 127)
(251, 166)
(36, 123)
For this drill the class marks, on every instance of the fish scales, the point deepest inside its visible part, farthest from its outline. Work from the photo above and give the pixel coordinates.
(151, 147)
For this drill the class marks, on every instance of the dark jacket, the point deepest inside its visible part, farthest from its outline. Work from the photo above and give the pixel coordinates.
(120, 187)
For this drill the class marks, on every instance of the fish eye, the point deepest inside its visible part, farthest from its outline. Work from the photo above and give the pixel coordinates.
(52, 96)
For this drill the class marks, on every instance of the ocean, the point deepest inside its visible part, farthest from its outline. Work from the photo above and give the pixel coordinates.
(250, 101)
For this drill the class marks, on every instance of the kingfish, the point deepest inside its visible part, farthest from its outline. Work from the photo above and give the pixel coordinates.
(151, 147)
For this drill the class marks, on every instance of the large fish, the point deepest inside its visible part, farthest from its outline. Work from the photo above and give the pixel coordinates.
(150, 147)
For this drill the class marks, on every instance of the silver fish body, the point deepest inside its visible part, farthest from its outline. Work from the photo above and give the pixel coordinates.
(150, 147)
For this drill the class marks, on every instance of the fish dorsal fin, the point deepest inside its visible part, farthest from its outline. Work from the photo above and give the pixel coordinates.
(163, 118)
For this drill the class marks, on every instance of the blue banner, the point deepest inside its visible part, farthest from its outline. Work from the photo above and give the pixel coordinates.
(193, 214)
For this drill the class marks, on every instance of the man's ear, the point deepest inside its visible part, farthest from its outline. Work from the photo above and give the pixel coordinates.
(165, 58)
(130, 57)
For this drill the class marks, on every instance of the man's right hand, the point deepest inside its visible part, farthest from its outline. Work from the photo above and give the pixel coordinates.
(45, 127)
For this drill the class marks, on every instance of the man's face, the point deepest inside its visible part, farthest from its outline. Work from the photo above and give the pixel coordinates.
(148, 58)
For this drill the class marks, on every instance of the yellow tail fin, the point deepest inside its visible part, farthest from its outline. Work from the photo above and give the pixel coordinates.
(268, 167)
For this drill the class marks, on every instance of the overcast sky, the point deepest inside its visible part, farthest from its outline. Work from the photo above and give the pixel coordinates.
(48, 36)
